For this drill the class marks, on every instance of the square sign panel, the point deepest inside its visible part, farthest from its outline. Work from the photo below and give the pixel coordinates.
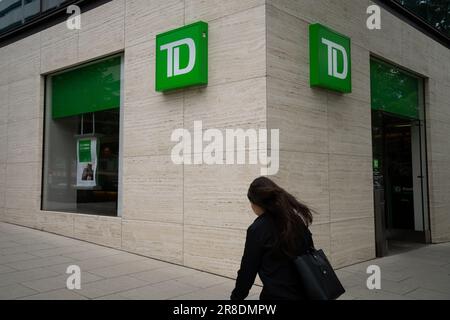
(330, 59)
(182, 57)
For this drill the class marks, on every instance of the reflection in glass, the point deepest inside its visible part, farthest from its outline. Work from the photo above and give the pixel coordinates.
(31, 8)
(81, 154)
(60, 192)
(50, 4)
(435, 12)
(15, 13)
(10, 13)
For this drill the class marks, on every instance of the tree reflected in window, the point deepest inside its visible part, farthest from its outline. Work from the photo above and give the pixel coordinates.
(435, 12)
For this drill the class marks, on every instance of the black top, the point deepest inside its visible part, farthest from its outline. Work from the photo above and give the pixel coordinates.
(276, 270)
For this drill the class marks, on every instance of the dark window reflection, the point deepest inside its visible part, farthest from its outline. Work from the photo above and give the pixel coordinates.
(15, 13)
(61, 192)
(103, 199)
(31, 8)
(10, 14)
(435, 12)
(50, 4)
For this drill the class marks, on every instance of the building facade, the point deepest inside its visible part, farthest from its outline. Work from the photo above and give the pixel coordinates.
(258, 78)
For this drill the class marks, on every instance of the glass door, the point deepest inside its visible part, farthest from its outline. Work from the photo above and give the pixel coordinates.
(399, 157)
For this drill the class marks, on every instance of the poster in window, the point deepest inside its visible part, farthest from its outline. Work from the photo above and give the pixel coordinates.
(87, 162)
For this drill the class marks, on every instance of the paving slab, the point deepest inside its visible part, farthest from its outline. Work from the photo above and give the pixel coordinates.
(61, 294)
(170, 272)
(17, 277)
(109, 286)
(58, 282)
(39, 262)
(8, 258)
(15, 291)
(159, 291)
(426, 294)
(127, 268)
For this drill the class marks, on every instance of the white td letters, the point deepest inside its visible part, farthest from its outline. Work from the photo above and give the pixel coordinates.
(333, 49)
(173, 57)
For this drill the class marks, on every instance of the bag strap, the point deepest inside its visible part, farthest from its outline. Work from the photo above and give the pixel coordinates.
(309, 240)
(307, 237)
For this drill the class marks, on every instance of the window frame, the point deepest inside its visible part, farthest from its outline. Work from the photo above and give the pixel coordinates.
(47, 105)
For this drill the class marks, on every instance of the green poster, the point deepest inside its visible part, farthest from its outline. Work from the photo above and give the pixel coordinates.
(84, 149)
(87, 162)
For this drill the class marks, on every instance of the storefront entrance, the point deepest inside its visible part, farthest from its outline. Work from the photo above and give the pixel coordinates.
(399, 159)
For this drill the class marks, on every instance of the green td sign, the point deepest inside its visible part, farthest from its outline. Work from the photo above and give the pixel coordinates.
(330, 59)
(182, 57)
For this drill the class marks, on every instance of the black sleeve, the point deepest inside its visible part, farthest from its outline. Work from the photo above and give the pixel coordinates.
(251, 261)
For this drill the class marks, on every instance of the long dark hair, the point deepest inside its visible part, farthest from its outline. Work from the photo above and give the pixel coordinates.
(289, 215)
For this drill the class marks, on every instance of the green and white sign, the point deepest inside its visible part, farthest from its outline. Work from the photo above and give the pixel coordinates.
(182, 57)
(87, 162)
(330, 59)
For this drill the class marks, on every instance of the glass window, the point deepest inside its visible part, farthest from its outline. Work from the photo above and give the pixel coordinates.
(10, 14)
(394, 90)
(31, 8)
(435, 12)
(15, 13)
(81, 154)
(50, 4)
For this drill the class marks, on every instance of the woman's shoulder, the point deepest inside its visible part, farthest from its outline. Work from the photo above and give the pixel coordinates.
(262, 223)
(261, 230)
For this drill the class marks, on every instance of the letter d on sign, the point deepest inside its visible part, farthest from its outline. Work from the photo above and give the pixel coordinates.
(74, 280)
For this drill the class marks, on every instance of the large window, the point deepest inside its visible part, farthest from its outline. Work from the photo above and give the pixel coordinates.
(81, 154)
(15, 13)
(435, 12)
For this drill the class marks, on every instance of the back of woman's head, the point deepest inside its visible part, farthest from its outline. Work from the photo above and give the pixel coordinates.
(290, 216)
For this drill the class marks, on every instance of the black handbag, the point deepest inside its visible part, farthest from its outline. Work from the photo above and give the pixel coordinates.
(317, 276)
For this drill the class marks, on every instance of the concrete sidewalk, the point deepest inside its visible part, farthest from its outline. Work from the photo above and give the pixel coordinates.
(33, 266)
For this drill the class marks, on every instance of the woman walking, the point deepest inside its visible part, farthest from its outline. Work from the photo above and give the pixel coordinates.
(279, 233)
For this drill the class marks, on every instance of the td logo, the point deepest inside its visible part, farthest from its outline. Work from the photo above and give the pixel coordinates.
(330, 59)
(173, 57)
(182, 57)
